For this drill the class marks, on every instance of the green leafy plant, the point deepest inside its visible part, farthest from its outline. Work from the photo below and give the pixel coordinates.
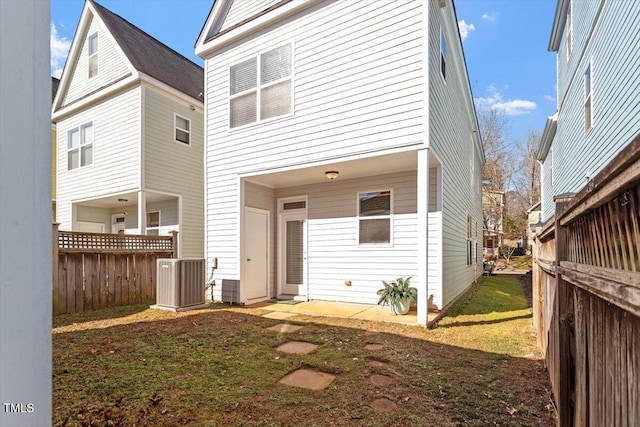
(396, 291)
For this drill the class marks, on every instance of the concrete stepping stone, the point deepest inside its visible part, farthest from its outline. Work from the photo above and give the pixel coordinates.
(278, 315)
(383, 405)
(373, 347)
(306, 378)
(380, 380)
(376, 363)
(297, 347)
(285, 328)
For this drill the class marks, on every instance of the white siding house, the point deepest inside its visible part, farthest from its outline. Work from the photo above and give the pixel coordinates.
(341, 150)
(598, 66)
(130, 132)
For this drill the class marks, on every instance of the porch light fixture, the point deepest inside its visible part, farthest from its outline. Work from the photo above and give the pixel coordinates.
(331, 175)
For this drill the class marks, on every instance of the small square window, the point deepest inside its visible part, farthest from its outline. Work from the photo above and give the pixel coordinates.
(153, 219)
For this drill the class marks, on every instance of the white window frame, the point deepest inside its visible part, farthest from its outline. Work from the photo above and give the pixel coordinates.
(365, 218)
(259, 87)
(443, 55)
(176, 128)
(469, 241)
(93, 55)
(82, 144)
(569, 29)
(588, 97)
(154, 227)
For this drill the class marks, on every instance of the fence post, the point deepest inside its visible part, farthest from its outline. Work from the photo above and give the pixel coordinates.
(174, 243)
(54, 269)
(564, 316)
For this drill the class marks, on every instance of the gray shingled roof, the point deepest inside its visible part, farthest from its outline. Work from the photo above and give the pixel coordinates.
(54, 87)
(152, 57)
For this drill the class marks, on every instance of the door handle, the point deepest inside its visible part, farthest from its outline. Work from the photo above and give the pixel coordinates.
(248, 259)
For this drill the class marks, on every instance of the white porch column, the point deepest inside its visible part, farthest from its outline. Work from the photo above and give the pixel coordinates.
(142, 212)
(423, 208)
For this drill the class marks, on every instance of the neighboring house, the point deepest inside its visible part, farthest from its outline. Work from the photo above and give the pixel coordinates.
(492, 216)
(341, 150)
(129, 114)
(54, 89)
(534, 219)
(598, 58)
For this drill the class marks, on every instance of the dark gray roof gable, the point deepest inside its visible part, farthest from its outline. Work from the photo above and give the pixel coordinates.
(152, 57)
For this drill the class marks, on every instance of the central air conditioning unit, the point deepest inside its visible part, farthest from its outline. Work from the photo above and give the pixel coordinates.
(180, 284)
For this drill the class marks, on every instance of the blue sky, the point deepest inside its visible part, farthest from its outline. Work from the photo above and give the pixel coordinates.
(505, 44)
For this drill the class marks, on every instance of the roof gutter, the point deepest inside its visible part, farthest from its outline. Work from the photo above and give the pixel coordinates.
(547, 137)
(559, 21)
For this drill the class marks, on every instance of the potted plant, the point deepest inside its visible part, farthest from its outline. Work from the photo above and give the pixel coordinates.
(398, 294)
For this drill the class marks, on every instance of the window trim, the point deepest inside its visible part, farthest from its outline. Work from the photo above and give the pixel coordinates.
(588, 97)
(154, 227)
(443, 55)
(175, 128)
(469, 241)
(258, 88)
(93, 55)
(81, 144)
(569, 46)
(389, 217)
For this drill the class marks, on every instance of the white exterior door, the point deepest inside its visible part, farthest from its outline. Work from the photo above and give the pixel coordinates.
(256, 255)
(293, 254)
(118, 223)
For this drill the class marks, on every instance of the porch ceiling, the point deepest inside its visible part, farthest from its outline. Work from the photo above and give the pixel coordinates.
(347, 169)
(110, 202)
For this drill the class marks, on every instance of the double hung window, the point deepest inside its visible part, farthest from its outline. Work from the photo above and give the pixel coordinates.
(92, 48)
(80, 146)
(260, 87)
(374, 217)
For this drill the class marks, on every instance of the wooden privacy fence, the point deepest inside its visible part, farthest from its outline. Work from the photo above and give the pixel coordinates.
(95, 270)
(586, 297)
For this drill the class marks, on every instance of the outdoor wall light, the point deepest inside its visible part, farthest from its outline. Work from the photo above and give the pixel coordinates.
(331, 175)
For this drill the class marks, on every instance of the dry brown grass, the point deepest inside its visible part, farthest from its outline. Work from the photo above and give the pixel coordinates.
(219, 367)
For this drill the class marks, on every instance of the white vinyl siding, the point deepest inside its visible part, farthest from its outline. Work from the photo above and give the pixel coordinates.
(112, 65)
(172, 168)
(333, 254)
(116, 153)
(243, 9)
(449, 132)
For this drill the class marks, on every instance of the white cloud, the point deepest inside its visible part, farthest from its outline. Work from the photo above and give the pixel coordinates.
(549, 98)
(491, 17)
(465, 29)
(59, 50)
(513, 107)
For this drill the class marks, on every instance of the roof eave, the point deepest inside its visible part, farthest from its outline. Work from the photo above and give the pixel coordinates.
(559, 21)
(206, 46)
(547, 137)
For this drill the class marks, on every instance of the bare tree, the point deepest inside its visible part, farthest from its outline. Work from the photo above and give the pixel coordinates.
(527, 180)
(494, 129)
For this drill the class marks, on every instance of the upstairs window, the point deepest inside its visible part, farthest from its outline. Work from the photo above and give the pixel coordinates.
(469, 241)
(260, 87)
(569, 30)
(182, 129)
(374, 217)
(80, 146)
(92, 43)
(588, 113)
(443, 55)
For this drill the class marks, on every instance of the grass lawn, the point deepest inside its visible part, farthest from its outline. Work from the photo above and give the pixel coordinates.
(220, 367)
